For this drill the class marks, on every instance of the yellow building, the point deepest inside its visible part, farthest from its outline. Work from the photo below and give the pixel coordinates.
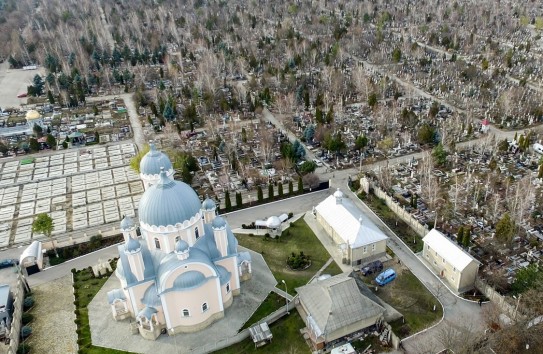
(453, 265)
(358, 237)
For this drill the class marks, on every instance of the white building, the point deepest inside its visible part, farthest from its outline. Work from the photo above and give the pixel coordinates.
(360, 239)
(185, 269)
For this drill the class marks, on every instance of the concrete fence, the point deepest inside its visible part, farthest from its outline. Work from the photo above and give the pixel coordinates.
(399, 210)
(496, 298)
(16, 322)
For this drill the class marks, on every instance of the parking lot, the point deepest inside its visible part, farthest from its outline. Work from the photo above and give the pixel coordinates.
(79, 189)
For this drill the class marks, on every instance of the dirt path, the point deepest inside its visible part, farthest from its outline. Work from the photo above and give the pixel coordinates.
(53, 327)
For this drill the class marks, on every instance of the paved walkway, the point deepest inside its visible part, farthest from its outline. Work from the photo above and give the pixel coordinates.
(105, 331)
(457, 312)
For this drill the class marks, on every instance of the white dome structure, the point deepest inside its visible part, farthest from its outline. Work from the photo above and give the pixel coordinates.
(273, 222)
(152, 164)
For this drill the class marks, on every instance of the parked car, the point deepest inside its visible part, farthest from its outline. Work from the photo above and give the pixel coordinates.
(386, 277)
(6, 263)
(372, 267)
(21, 95)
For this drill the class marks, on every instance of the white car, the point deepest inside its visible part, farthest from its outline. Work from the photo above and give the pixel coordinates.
(318, 162)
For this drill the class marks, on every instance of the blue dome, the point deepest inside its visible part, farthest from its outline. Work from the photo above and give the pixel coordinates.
(147, 312)
(218, 223)
(153, 161)
(190, 279)
(168, 203)
(132, 245)
(181, 246)
(127, 223)
(208, 204)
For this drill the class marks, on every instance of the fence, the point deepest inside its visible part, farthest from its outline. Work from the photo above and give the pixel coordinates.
(16, 322)
(496, 298)
(399, 210)
(242, 335)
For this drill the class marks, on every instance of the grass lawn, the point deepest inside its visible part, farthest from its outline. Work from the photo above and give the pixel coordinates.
(407, 295)
(286, 339)
(297, 238)
(272, 303)
(86, 286)
(400, 228)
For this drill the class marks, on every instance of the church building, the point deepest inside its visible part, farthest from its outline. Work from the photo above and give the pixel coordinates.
(185, 269)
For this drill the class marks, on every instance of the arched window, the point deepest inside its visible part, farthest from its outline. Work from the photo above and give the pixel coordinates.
(204, 307)
(177, 238)
(186, 313)
(157, 243)
(227, 288)
(197, 233)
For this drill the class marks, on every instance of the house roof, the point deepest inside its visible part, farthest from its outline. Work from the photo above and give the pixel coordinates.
(349, 222)
(335, 303)
(447, 249)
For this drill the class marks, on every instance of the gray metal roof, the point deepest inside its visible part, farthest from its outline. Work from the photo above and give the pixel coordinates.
(168, 203)
(127, 223)
(208, 204)
(336, 302)
(147, 312)
(115, 294)
(154, 161)
(189, 280)
(150, 297)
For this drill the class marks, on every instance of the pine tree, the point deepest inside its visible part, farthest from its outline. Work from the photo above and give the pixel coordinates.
(227, 202)
(300, 185)
(270, 191)
(239, 200)
(290, 188)
(259, 194)
(280, 190)
(467, 237)
(460, 235)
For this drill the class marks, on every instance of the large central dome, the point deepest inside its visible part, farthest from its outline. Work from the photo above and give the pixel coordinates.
(168, 203)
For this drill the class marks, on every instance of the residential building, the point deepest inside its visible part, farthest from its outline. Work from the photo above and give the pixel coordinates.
(453, 265)
(334, 308)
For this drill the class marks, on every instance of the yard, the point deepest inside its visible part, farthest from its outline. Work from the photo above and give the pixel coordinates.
(297, 238)
(409, 296)
(286, 339)
(272, 303)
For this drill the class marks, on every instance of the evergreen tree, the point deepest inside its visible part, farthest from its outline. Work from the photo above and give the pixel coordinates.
(280, 190)
(227, 202)
(460, 235)
(300, 185)
(259, 194)
(270, 191)
(239, 200)
(290, 188)
(467, 237)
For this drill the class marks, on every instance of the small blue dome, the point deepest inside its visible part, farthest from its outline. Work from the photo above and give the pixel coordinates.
(153, 161)
(190, 279)
(208, 204)
(181, 246)
(132, 245)
(218, 223)
(168, 203)
(147, 312)
(127, 223)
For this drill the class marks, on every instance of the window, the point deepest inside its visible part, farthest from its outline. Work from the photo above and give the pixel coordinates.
(428, 256)
(427, 247)
(365, 249)
(157, 243)
(204, 307)
(454, 270)
(436, 253)
(227, 288)
(373, 247)
(443, 260)
(435, 263)
(177, 238)
(186, 313)
(197, 233)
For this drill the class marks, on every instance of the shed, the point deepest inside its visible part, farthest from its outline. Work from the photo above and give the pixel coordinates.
(32, 258)
(261, 334)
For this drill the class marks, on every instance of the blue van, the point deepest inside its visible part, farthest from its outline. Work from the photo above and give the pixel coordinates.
(386, 277)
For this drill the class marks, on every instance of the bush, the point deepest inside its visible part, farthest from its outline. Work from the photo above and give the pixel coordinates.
(290, 215)
(28, 303)
(27, 318)
(26, 331)
(23, 348)
(298, 261)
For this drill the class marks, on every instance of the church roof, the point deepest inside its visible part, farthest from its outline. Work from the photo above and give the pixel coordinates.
(147, 312)
(154, 161)
(127, 223)
(208, 204)
(168, 203)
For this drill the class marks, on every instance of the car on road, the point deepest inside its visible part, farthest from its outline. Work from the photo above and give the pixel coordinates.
(22, 95)
(317, 162)
(372, 267)
(386, 277)
(6, 263)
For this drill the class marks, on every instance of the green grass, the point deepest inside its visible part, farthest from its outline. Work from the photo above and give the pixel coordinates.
(407, 295)
(86, 287)
(400, 228)
(286, 339)
(270, 304)
(297, 238)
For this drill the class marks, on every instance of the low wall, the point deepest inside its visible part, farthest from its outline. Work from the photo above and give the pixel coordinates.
(497, 298)
(16, 322)
(399, 210)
